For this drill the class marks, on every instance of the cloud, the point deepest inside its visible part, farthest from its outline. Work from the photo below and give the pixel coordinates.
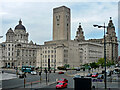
(37, 17)
(61, 1)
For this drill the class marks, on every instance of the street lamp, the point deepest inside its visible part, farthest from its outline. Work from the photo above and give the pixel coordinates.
(41, 62)
(54, 58)
(104, 50)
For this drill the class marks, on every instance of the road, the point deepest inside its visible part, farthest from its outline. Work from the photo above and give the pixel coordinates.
(19, 83)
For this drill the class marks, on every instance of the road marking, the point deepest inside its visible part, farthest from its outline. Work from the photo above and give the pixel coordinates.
(34, 82)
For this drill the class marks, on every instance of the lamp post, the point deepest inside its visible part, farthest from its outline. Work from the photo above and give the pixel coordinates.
(41, 62)
(54, 58)
(1, 55)
(104, 50)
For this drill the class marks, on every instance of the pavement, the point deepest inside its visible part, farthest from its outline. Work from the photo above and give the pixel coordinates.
(7, 76)
(39, 85)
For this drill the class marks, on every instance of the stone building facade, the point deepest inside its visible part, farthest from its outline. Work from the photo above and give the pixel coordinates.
(62, 50)
(16, 50)
(111, 42)
(61, 23)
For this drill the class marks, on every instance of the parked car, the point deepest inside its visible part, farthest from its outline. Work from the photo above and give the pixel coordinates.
(33, 73)
(94, 74)
(62, 80)
(117, 70)
(89, 75)
(77, 76)
(100, 76)
(61, 85)
(61, 72)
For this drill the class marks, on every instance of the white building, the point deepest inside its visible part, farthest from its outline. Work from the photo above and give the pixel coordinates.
(17, 51)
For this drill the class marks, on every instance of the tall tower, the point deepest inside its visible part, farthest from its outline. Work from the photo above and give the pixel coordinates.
(10, 35)
(20, 33)
(61, 23)
(79, 34)
(111, 42)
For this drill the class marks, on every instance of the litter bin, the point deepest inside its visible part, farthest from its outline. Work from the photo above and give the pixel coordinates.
(82, 83)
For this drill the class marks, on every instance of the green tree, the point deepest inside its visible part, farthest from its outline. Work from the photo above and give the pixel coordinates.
(94, 65)
(101, 62)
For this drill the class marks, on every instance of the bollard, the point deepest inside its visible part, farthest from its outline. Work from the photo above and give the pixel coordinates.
(24, 82)
(40, 76)
(31, 84)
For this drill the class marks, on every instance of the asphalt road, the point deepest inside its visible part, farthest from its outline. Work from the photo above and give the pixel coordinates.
(19, 83)
(98, 84)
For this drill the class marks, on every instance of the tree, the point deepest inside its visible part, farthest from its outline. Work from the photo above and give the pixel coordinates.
(94, 65)
(66, 65)
(101, 62)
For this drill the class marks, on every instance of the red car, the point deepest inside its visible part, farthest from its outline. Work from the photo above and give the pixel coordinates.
(94, 75)
(62, 80)
(61, 72)
(61, 85)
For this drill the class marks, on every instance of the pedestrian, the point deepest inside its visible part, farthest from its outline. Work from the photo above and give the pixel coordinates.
(25, 75)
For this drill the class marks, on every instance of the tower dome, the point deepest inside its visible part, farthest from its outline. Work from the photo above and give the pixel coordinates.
(20, 26)
(10, 31)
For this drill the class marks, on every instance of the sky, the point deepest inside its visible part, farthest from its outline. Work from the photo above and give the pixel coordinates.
(37, 17)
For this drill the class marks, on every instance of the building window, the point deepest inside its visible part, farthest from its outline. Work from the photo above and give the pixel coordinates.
(51, 56)
(8, 49)
(48, 56)
(45, 51)
(48, 51)
(51, 51)
(8, 44)
(45, 56)
(9, 54)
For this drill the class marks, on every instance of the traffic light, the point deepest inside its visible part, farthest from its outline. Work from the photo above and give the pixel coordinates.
(45, 70)
(48, 64)
(83, 69)
(40, 73)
